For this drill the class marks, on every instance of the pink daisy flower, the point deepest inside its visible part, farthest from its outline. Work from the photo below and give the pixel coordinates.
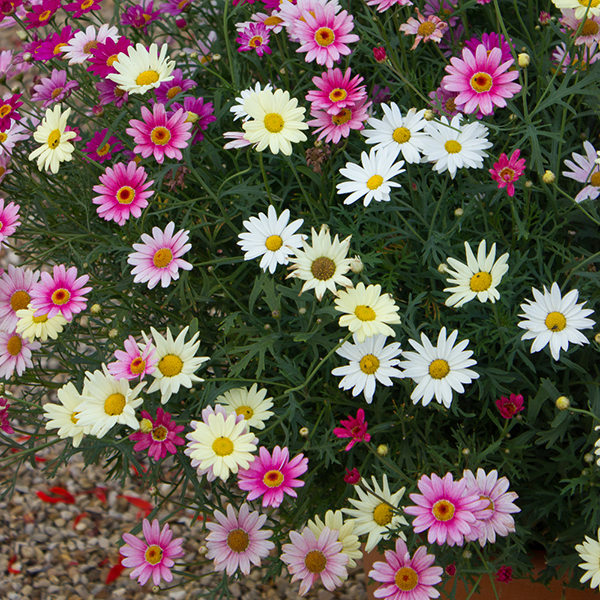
(154, 557)
(254, 37)
(495, 517)
(590, 32)
(160, 133)
(324, 35)
(9, 219)
(80, 46)
(406, 578)
(4, 164)
(237, 541)
(336, 90)
(41, 14)
(81, 7)
(174, 7)
(53, 89)
(159, 435)
(110, 92)
(15, 354)
(158, 258)
(8, 111)
(273, 476)
(354, 428)
(167, 90)
(444, 101)
(100, 149)
(335, 127)
(482, 80)
(310, 559)
(60, 293)
(4, 422)
(290, 14)
(490, 41)
(11, 136)
(428, 29)
(15, 289)
(53, 46)
(139, 16)
(506, 171)
(105, 55)
(509, 407)
(585, 170)
(383, 5)
(444, 508)
(136, 361)
(199, 113)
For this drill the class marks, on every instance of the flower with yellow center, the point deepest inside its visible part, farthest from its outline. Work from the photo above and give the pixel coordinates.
(582, 8)
(177, 362)
(552, 319)
(54, 139)
(377, 513)
(64, 416)
(251, 403)
(438, 370)
(41, 327)
(476, 279)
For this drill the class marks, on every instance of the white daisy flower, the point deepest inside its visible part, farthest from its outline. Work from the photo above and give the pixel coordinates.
(238, 109)
(177, 363)
(367, 311)
(56, 147)
(372, 180)
(108, 402)
(65, 416)
(271, 237)
(552, 319)
(251, 404)
(141, 70)
(398, 134)
(323, 265)
(41, 327)
(589, 552)
(452, 146)
(478, 278)
(78, 50)
(221, 445)
(438, 370)
(374, 513)
(370, 362)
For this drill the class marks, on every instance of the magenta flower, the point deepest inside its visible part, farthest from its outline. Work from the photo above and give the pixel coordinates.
(160, 133)
(428, 29)
(8, 111)
(506, 171)
(490, 41)
(54, 88)
(15, 354)
(110, 92)
(154, 557)
(167, 90)
(53, 45)
(60, 293)
(273, 476)
(99, 148)
(158, 435)
(335, 127)
(482, 80)
(336, 90)
(4, 422)
(352, 477)
(159, 257)
(140, 15)
(324, 35)
(510, 407)
(354, 428)
(545, 17)
(199, 113)
(136, 361)
(504, 574)
(406, 578)
(235, 540)
(9, 219)
(445, 509)
(254, 37)
(175, 7)
(379, 54)
(81, 7)
(15, 289)
(105, 55)
(41, 14)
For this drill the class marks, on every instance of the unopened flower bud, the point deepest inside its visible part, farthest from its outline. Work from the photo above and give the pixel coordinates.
(302, 310)
(524, 60)
(216, 57)
(382, 449)
(276, 314)
(380, 54)
(356, 265)
(512, 117)
(95, 309)
(202, 550)
(466, 451)
(562, 403)
(22, 34)
(15, 89)
(318, 144)
(267, 327)
(153, 490)
(442, 268)
(459, 212)
(529, 184)
(192, 117)
(181, 23)
(210, 268)
(548, 177)
(194, 55)
(146, 426)
(113, 333)
(2, 388)
(429, 115)
(597, 338)
(27, 57)
(303, 431)
(588, 458)
(467, 554)
(155, 589)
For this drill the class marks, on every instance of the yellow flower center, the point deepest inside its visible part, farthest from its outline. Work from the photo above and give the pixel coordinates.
(323, 268)
(170, 365)
(46, 15)
(14, 345)
(147, 78)
(160, 136)
(114, 404)
(61, 296)
(3, 137)
(273, 123)
(272, 21)
(490, 505)
(162, 258)
(382, 515)
(507, 174)
(173, 92)
(59, 48)
(5, 110)
(255, 41)
(324, 36)
(104, 150)
(342, 117)
(401, 135)
(222, 446)
(159, 434)
(137, 365)
(56, 92)
(450, 105)
(480, 281)
(273, 478)
(53, 139)
(112, 59)
(315, 561)
(74, 419)
(586, 3)
(443, 510)
(153, 555)
(374, 182)
(452, 147)
(146, 426)
(406, 579)
(238, 540)
(86, 4)
(369, 364)
(595, 179)
(20, 300)
(424, 30)
(338, 94)
(556, 321)
(125, 195)
(40, 319)
(590, 27)
(90, 46)
(481, 82)
(273, 243)
(439, 368)
(365, 313)
(245, 411)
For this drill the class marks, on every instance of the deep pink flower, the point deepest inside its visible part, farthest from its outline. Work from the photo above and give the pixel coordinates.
(99, 148)
(54, 88)
(545, 17)
(354, 428)
(136, 361)
(335, 127)
(104, 55)
(154, 557)
(160, 133)
(60, 293)
(199, 113)
(273, 476)
(428, 29)
(167, 90)
(482, 80)
(510, 407)
(352, 477)
(42, 13)
(159, 435)
(506, 171)
(443, 9)
(140, 15)
(504, 574)
(4, 422)
(405, 577)
(110, 92)
(8, 112)
(336, 90)
(8, 8)
(254, 37)
(380, 54)
(81, 7)
(445, 509)
(490, 41)
(451, 570)
(53, 45)
(9, 219)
